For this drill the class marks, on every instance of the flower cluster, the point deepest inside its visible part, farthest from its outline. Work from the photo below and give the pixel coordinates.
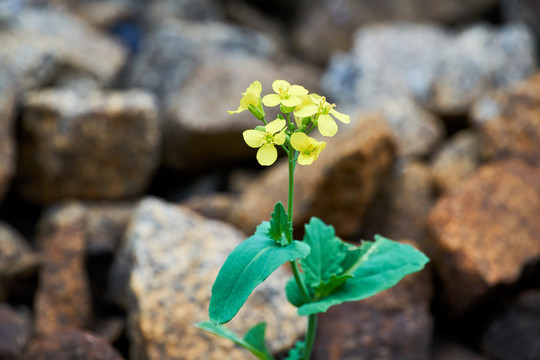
(309, 110)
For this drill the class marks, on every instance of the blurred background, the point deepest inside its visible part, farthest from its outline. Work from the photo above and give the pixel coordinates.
(124, 183)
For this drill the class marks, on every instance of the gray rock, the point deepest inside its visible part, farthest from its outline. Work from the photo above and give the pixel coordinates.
(167, 265)
(104, 145)
(7, 129)
(456, 160)
(197, 10)
(524, 11)
(15, 331)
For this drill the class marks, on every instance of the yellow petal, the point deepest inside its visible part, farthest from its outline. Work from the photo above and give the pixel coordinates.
(255, 88)
(267, 155)
(291, 102)
(239, 110)
(300, 141)
(279, 138)
(254, 138)
(280, 84)
(275, 126)
(271, 100)
(297, 90)
(306, 159)
(306, 111)
(327, 125)
(249, 99)
(341, 117)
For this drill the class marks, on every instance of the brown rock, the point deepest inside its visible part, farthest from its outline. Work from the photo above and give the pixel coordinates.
(63, 297)
(394, 324)
(70, 345)
(199, 133)
(96, 146)
(401, 208)
(453, 351)
(7, 140)
(509, 121)
(14, 333)
(338, 187)
(456, 160)
(212, 206)
(105, 224)
(486, 231)
(164, 273)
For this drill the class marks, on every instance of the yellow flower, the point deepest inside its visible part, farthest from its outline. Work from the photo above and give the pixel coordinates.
(309, 148)
(285, 94)
(273, 134)
(252, 96)
(322, 111)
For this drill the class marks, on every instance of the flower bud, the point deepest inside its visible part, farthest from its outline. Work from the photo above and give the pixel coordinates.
(258, 113)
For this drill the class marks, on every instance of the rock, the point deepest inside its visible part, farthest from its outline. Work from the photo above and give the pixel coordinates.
(103, 145)
(166, 267)
(514, 335)
(197, 10)
(456, 160)
(403, 203)
(509, 121)
(485, 231)
(70, 345)
(522, 11)
(332, 24)
(394, 324)
(199, 133)
(453, 351)
(15, 331)
(444, 71)
(338, 187)
(41, 42)
(7, 131)
(213, 206)
(63, 298)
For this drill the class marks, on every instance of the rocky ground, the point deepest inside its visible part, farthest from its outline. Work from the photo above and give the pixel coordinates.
(124, 183)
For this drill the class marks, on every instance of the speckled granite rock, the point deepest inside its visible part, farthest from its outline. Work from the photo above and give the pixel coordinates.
(338, 187)
(62, 299)
(97, 146)
(394, 324)
(199, 133)
(402, 205)
(7, 131)
(515, 334)
(509, 121)
(323, 27)
(42, 42)
(456, 160)
(166, 267)
(70, 345)
(15, 329)
(486, 231)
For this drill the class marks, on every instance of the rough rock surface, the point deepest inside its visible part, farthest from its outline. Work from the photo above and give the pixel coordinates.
(338, 187)
(103, 145)
(513, 336)
(523, 11)
(70, 345)
(41, 43)
(63, 297)
(394, 324)
(486, 231)
(199, 133)
(332, 23)
(402, 205)
(167, 265)
(15, 332)
(509, 121)
(456, 160)
(7, 132)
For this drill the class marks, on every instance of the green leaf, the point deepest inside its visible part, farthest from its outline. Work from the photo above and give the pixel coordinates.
(248, 265)
(297, 351)
(253, 340)
(263, 229)
(279, 225)
(327, 253)
(379, 266)
(325, 288)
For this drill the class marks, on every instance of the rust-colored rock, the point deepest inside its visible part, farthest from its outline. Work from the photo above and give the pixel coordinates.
(63, 296)
(486, 231)
(509, 121)
(337, 188)
(70, 345)
(394, 324)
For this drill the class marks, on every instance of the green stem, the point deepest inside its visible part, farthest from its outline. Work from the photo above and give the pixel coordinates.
(310, 336)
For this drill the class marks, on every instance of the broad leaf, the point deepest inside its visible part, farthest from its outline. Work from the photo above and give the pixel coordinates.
(263, 229)
(248, 265)
(381, 265)
(297, 351)
(280, 226)
(327, 253)
(253, 340)
(325, 288)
